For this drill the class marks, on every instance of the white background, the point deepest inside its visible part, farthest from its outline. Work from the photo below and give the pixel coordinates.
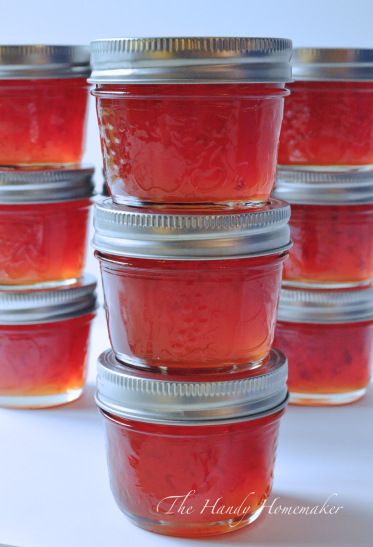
(53, 484)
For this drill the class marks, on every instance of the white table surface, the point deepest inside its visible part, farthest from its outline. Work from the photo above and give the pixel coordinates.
(54, 489)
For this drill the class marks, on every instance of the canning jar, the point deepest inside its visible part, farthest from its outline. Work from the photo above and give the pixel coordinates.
(44, 335)
(190, 121)
(43, 224)
(194, 455)
(331, 227)
(328, 118)
(328, 340)
(43, 104)
(195, 291)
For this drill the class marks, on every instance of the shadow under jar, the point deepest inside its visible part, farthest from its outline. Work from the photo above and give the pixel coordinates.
(331, 227)
(191, 456)
(194, 291)
(190, 121)
(328, 340)
(328, 117)
(43, 104)
(43, 225)
(44, 336)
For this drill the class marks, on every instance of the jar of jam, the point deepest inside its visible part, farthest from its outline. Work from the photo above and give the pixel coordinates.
(44, 335)
(191, 456)
(43, 104)
(43, 224)
(331, 227)
(191, 292)
(190, 121)
(328, 340)
(328, 118)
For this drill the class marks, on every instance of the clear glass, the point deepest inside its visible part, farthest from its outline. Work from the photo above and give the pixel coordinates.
(190, 144)
(328, 123)
(180, 315)
(329, 364)
(43, 242)
(222, 472)
(332, 246)
(44, 364)
(42, 121)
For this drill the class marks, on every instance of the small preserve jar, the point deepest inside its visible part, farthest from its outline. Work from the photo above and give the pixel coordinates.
(328, 118)
(190, 121)
(191, 456)
(44, 337)
(195, 291)
(331, 227)
(43, 224)
(43, 104)
(328, 340)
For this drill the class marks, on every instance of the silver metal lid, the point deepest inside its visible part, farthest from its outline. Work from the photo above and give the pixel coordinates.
(153, 397)
(318, 187)
(324, 306)
(124, 231)
(328, 64)
(26, 305)
(19, 186)
(44, 61)
(191, 60)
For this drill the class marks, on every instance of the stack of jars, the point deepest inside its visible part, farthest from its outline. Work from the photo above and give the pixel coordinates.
(326, 173)
(46, 303)
(191, 249)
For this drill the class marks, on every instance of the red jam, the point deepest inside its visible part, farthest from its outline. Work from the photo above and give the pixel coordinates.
(42, 121)
(42, 242)
(328, 123)
(328, 363)
(222, 472)
(332, 245)
(185, 314)
(43, 364)
(190, 144)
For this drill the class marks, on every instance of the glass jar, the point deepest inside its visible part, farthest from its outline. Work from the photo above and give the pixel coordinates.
(43, 225)
(44, 338)
(194, 291)
(328, 118)
(328, 340)
(331, 227)
(190, 121)
(191, 456)
(43, 104)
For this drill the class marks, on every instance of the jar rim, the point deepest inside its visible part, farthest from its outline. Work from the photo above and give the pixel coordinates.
(197, 235)
(191, 59)
(332, 64)
(131, 393)
(42, 61)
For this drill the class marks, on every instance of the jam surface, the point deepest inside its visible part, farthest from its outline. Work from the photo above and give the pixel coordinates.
(190, 143)
(42, 121)
(331, 245)
(326, 358)
(328, 123)
(42, 242)
(45, 359)
(184, 315)
(227, 469)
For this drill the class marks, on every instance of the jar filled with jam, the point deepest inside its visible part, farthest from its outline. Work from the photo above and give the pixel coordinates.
(44, 336)
(331, 227)
(43, 224)
(195, 291)
(191, 455)
(328, 340)
(43, 104)
(190, 120)
(328, 118)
